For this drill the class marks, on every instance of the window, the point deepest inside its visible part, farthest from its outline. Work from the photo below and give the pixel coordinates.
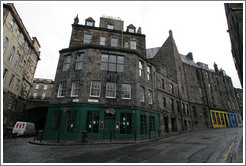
(22, 65)
(112, 63)
(177, 104)
(164, 102)
(89, 23)
(197, 75)
(79, 61)
(150, 97)
(162, 83)
(133, 45)
(37, 86)
(92, 124)
(238, 96)
(149, 77)
(95, 89)
(218, 118)
(110, 90)
(17, 60)
(56, 121)
(207, 74)
(125, 123)
(27, 49)
(222, 119)
(151, 123)
(143, 124)
(5, 43)
(102, 41)
(200, 91)
(66, 63)
(35, 95)
(11, 54)
(5, 73)
(11, 80)
(11, 25)
(163, 70)
(171, 88)
(75, 89)
(131, 30)
(23, 43)
(126, 91)
(71, 121)
(87, 38)
(43, 96)
(186, 109)
(45, 87)
(172, 104)
(61, 89)
(110, 26)
(194, 111)
(114, 42)
(17, 84)
(141, 94)
(140, 64)
(183, 108)
(210, 87)
(18, 34)
(214, 119)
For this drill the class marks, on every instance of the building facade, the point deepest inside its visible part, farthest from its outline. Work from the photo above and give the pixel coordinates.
(108, 84)
(20, 57)
(234, 15)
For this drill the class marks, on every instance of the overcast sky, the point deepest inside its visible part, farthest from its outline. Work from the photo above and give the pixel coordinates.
(198, 27)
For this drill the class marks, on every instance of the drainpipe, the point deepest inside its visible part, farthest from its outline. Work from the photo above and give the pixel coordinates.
(122, 38)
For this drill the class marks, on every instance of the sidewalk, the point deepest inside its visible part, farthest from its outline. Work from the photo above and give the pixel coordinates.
(106, 141)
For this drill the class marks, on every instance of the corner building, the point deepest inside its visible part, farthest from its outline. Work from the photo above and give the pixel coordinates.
(108, 84)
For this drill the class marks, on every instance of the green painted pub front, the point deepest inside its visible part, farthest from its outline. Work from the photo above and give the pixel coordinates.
(68, 122)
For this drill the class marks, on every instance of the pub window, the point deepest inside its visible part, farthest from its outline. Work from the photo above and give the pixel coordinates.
(114, 42)
(71, 121)
(141, 94)
(66, 63)
(140, 66)
(151, 123)
(61, 89)
(95, 89)
(126, 91)
(133, 45)
(12, 51)
(110, 90)
(79, 61)
(143, 124)
(75, 89)
(112, 63)
(92, 124)
(87, 38)
(125, 123)
(102, 41)
(150, 97)
(56, 120)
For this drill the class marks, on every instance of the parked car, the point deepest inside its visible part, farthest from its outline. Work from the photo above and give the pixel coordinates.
(23, 128)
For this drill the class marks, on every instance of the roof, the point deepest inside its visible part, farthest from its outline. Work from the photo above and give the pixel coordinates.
(188, 61)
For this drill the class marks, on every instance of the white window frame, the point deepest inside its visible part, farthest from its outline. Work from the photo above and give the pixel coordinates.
(102, 40)
(141, 68)
(17, 60)
(61, 88)
(66, 63)
(79, 61)
(87, 38)
(131, 30)
(89, 23)
(142, 94)
(35, 95)
(114, 42)
(149, 73)
(133, 45)
(74, 89)
(111, 90)
(12, 51)
(150, 97)
(37, 86)
(126, 91)
(45, 87)
(110, 26)
(5, 43)
(97, 87)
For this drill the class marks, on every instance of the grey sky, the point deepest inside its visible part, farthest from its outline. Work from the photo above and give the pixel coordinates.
(198, 27)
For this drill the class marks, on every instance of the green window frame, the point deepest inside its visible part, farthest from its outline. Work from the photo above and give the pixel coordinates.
(151, 123)
(71, 121)
(125, 123)
(92, 125)
(56, 121)
(143, 124)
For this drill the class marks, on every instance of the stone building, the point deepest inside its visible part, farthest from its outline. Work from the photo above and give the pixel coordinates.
(234, 15)
(110, 85)
(20, 57)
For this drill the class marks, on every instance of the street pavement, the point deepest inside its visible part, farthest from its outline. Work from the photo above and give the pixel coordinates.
(223, 145)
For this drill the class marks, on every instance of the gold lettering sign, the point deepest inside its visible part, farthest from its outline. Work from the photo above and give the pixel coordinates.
(110, 111)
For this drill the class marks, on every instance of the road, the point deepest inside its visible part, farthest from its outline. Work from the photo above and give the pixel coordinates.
(203, 146)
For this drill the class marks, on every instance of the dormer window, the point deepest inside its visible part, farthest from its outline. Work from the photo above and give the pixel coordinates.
(131, 30)
(88, 23)
(110, 26)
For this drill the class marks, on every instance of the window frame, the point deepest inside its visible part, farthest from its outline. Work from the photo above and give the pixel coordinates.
(75, 89)
(87, 38)
(127, 90)
(99, 89)
(133, 45)
(111, 91)
(79, 64)
(61, 90)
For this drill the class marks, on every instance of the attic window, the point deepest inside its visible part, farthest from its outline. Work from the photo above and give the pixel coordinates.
(131, 30)
(89, 23)
(110, 26)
